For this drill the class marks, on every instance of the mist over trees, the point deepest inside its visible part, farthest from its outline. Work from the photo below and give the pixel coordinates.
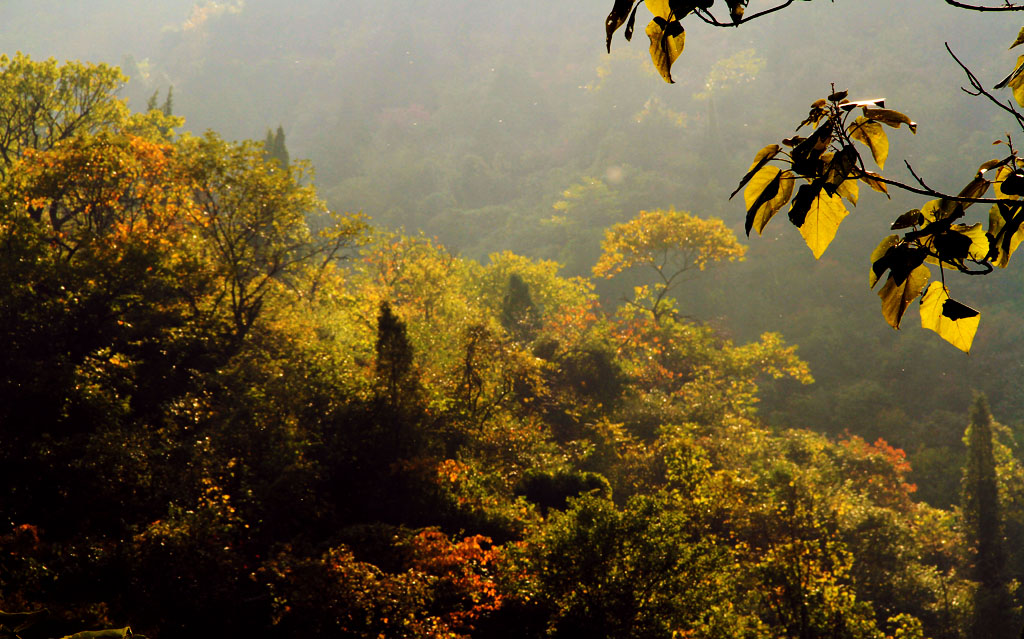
(365, 320)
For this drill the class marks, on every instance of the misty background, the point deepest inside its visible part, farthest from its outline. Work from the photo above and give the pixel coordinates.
(471, 121)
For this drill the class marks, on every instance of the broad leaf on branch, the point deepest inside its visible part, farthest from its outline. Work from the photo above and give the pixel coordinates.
(766, 194)
(667, 42)
(896, 256)
(890, 117)
(899, 292)
(1004, 225)
(820, 221)
(616, 18)
(879, 263)
(871, 134)
(764, 156)
(960, 242)
(953, 321)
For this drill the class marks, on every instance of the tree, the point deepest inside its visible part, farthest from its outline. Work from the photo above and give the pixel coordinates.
(983, 519)
(830, 166)
(274, 148)
(672, 244)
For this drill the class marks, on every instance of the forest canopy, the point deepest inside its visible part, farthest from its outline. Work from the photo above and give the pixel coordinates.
(228, 410)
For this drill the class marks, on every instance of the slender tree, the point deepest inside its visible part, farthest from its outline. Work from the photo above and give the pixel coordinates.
(983, 521)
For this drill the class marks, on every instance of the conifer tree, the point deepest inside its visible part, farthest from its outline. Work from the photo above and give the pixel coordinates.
(518, 312)
(983, 522)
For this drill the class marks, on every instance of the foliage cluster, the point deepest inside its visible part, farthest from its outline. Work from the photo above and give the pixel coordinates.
(219, 422)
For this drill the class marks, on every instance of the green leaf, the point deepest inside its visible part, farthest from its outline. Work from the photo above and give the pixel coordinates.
(667, 42)
(764, 156)
(821, 222)
(953, 321)
(767, 193)
(890, 117)
(897, 294)
(871, 134)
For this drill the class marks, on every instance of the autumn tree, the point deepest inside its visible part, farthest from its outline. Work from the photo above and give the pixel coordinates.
(673, 244)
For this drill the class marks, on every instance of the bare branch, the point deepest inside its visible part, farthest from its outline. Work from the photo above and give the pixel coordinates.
(1008, 6)
(979, 89)
(707, 17)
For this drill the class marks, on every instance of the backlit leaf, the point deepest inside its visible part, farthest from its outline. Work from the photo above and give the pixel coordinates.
(667, 42)
(896, 295)
(909, 219)
(767, 193)
(890, 117)
(871, 134)
(849, 190)
(879, 261)
(822, 221)
(762, 157)
(1005, 227)
(1020, 38)
(953, 321)
(872, 180)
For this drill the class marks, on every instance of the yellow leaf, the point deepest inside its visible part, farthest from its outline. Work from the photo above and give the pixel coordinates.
(822, 222)
(897, 295)
(954, 322)
(667, 41)
(849, 190)
(871, 134)
(765, 195)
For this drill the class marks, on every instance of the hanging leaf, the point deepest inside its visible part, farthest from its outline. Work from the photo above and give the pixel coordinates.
(872, 180)
(630, 24)
(849, 190)
(1020, 38)
(897, 294)
(900, 259)
(908, 220)
(880, 259)
(1004, 225)
(960, 242)
(890, 117)
(762, 157)
(953, 321)
(822, 221)
(620, 10)
(667, 42)
(805, 196)
(765, 196)
(870, 133)
(1015, 81)
(736, 8)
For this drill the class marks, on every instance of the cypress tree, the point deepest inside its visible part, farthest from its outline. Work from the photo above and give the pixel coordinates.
(983, 523)
(519, 315)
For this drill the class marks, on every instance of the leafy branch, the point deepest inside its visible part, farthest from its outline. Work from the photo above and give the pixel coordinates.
(831, 166)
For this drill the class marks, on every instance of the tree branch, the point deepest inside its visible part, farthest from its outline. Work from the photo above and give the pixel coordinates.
(706, 16)
(979, 89)
(1009, 6)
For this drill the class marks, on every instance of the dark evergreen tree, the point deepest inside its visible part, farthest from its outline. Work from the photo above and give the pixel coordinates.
(519, 314)
(983, 522)
(168, 105)
(396, 379)
(274, 147)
